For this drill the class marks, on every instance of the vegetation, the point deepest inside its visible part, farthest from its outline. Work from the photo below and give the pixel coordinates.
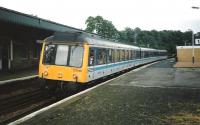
(166, 39)
(102, 27)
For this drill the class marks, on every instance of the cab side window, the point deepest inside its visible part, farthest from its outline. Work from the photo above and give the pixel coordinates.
(91, 60)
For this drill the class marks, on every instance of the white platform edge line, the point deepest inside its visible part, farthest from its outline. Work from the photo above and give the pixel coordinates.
(17, 79)
(27, 117)
(161, 87)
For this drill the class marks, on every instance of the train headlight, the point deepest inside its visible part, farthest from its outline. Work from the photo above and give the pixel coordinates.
(75, 77)
(45, 73)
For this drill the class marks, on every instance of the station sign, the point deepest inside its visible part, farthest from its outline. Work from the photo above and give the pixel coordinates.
(197, 41)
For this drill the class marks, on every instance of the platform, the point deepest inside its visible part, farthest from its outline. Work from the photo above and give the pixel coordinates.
(158, 94)
(15, 76)
(187, 65)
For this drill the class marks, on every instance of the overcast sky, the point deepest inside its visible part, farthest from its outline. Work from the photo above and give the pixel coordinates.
(145, 14)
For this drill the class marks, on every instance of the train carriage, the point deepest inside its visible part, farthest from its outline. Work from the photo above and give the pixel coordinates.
(79, 58)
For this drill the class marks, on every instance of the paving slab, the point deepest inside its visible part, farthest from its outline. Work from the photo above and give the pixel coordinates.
(187, 65)
(159, 94)
(19, 74)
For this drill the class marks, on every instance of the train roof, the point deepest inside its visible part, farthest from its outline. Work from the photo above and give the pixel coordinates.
(91, 39)
(150, 49)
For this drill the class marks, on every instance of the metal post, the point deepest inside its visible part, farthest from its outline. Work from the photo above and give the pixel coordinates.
(11, 50)
(193, 7)
(193, 48)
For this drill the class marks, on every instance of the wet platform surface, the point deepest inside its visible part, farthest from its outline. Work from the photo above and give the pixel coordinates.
(159, 94)
(19, 74)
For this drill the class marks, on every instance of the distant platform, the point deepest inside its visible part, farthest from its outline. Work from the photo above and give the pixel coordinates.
(187, 65)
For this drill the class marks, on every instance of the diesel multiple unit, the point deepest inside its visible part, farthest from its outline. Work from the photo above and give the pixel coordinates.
(79, 58)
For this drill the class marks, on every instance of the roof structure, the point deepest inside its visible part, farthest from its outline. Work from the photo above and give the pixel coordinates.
(63, 32)
(15, 17)
(187, 47)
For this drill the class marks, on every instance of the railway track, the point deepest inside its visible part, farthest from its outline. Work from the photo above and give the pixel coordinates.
(13, 107)
(17, 106)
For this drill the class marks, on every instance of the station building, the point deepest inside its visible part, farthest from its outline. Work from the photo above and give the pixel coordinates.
(188, 57)
(18, 35)
(185, 53)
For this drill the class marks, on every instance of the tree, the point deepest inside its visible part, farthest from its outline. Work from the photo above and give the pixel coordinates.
(102, 27)
(166, 39)
(129, 35)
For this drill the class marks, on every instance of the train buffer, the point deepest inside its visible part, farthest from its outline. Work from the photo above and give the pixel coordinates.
(157, 94)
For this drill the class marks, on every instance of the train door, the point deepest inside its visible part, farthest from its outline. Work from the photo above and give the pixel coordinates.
(91, 63)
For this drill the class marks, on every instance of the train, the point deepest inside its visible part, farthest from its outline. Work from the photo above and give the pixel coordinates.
(72, 59)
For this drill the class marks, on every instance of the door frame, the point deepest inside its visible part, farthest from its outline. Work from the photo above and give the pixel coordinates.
(1, 56)
(5, 57)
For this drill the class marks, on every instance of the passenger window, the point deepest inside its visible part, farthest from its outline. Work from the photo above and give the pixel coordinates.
(116, 55)
(122, 55)
(113, 55)
(109, 56)
(133, 54)
(91, 57)
(101, 56)
(138, 54)
(145, 54)
(129, 53)
(126, 55)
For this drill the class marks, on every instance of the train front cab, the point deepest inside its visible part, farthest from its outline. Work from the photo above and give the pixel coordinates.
(64, 62)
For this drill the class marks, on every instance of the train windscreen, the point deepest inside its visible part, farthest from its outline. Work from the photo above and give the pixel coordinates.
(64, 55)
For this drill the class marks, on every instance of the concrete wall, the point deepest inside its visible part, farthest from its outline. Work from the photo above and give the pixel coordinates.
(25, 55)
(184, 54)
(18, 54)
(0, 64)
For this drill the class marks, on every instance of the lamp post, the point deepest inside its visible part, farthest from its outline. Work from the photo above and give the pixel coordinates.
(192, 45)
(193, 7)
